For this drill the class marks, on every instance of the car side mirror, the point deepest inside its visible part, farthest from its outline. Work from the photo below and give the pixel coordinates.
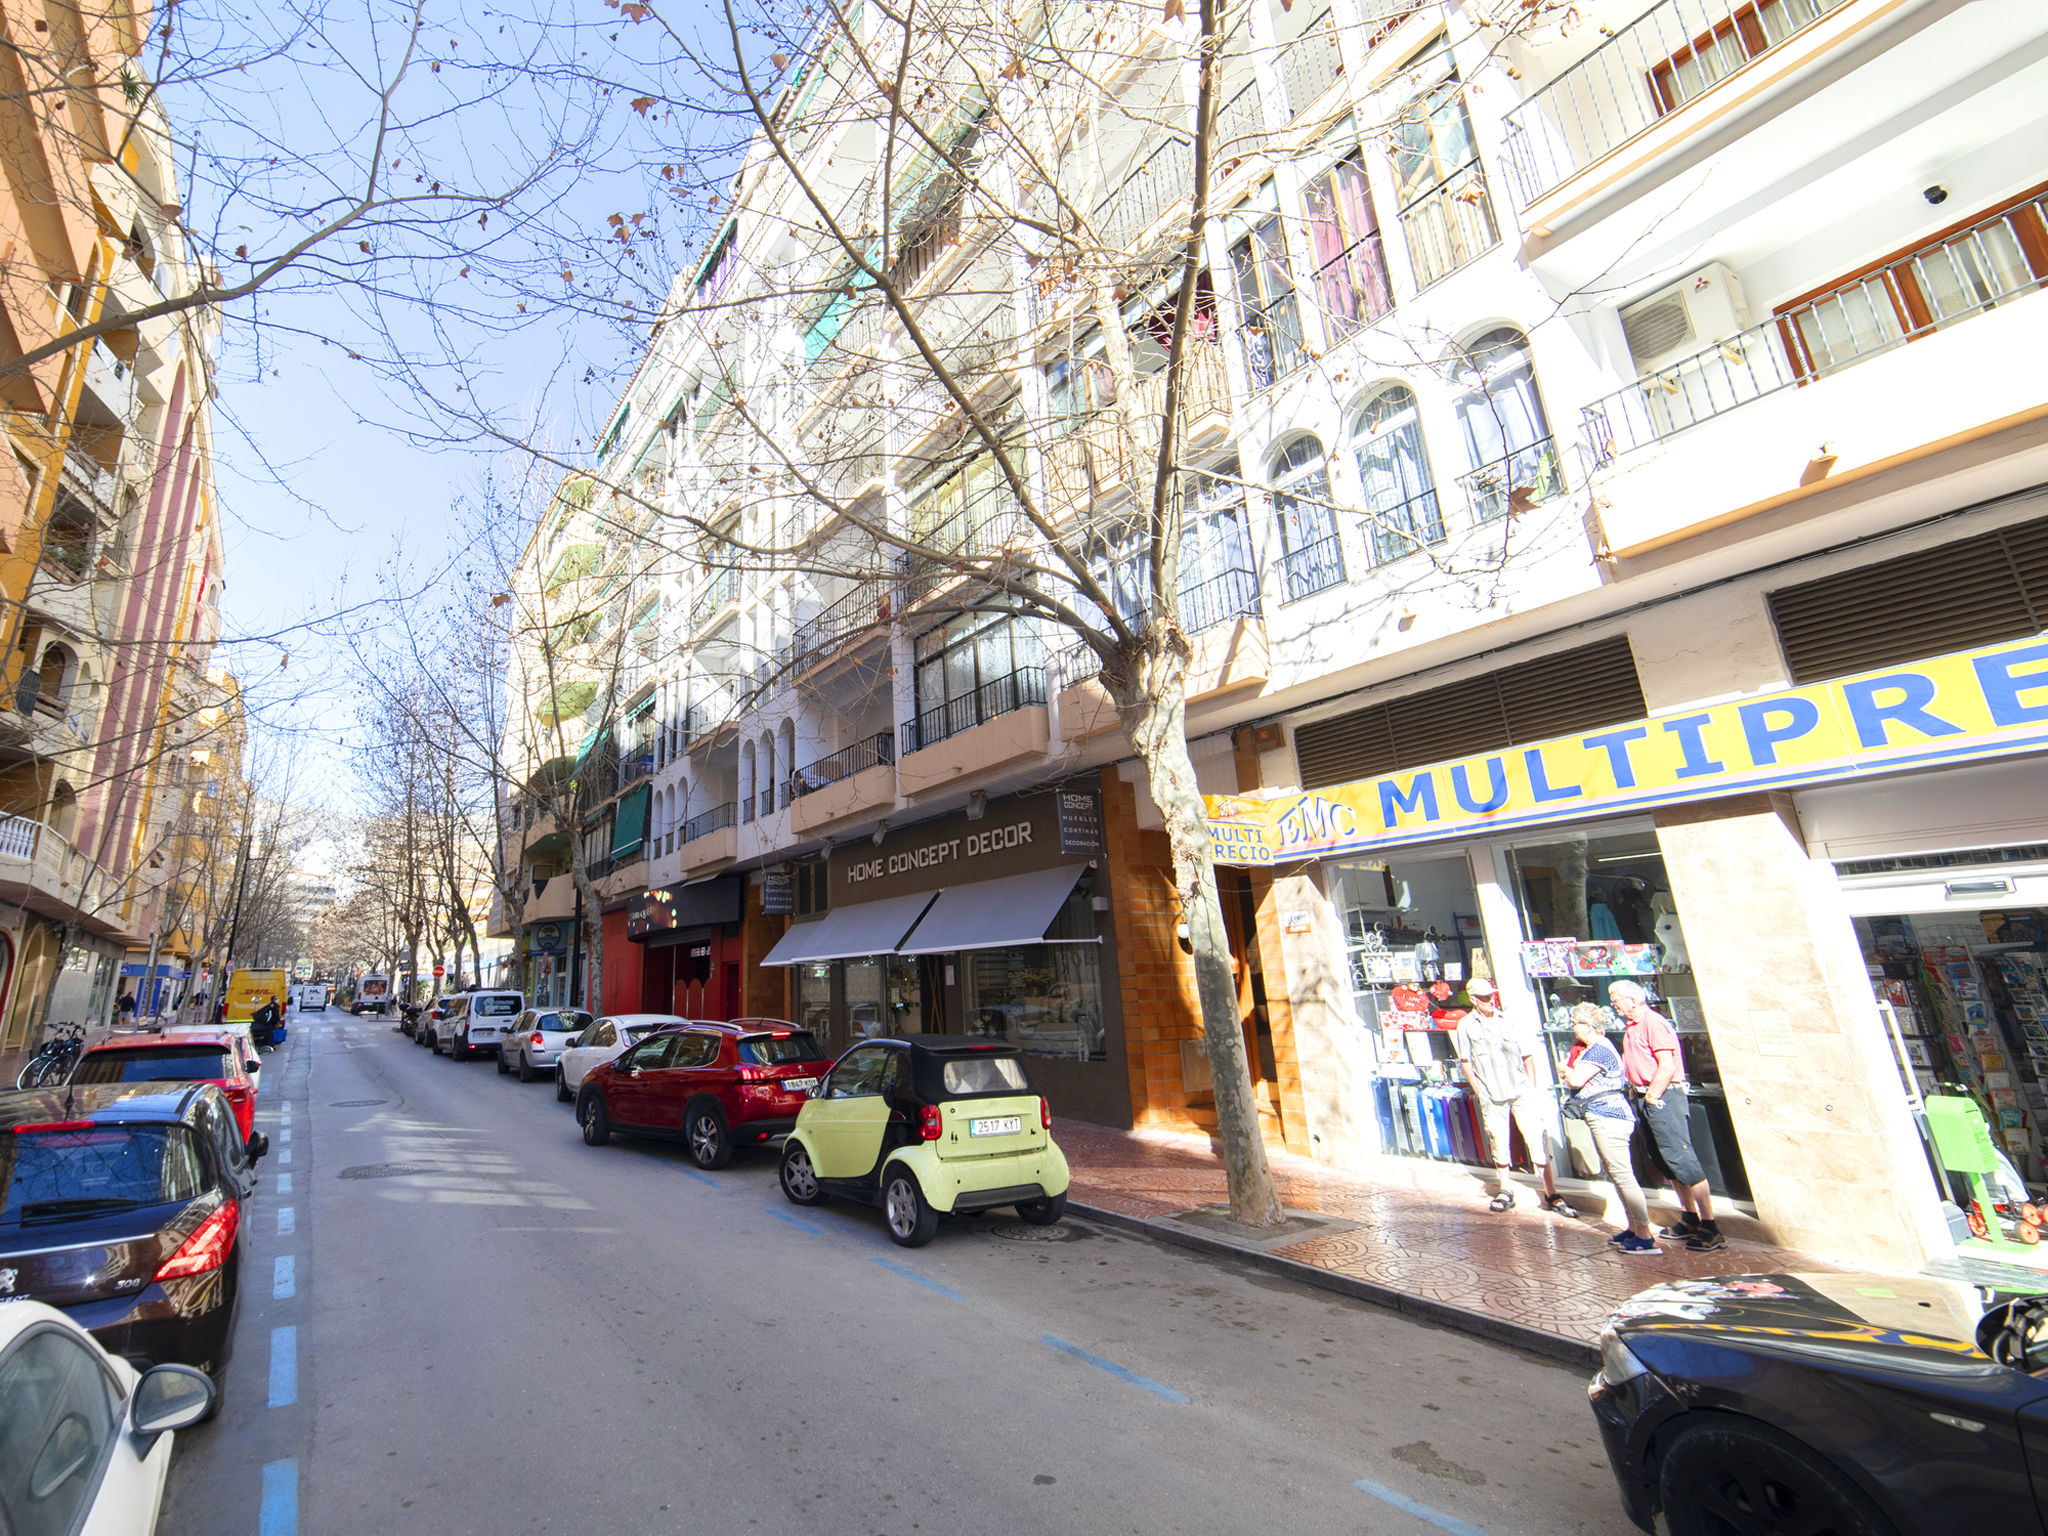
(168, 1397)
(259, 1145)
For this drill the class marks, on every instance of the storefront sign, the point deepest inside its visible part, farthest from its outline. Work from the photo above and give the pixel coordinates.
(1080, 822)
(546, 938)
(1015, 836)
(778, 893)
(1990, 702)
(649, 912)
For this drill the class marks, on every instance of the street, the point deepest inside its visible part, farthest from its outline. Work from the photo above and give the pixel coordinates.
(458, 1318)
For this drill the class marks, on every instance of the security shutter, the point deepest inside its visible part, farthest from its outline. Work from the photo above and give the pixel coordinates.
(1579, 690)
(1974, 591)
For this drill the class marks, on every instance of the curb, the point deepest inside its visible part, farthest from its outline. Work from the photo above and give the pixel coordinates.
(1535, 1341)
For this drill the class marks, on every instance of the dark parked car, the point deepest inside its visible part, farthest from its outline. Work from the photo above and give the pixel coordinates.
(714, 1086)
(1840, 1405)
(124, 1209)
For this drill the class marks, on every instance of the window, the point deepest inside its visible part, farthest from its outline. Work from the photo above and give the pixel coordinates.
(61, 1417)
(226, 1136)
(1445, 211)
(503, 1005)
(1514, 460)
(1720, 51)
(1265, 291)
(110, 1167)
(69, 538)
(1400, 492)
(1351, 268)
(604, 1034)
(153, 1063)
(860, 1072)
(648, 1055)
(780, 1050)
(1313, 558)
(1044, 999)
(984, 1074)
(973, 670)
(695, 1051)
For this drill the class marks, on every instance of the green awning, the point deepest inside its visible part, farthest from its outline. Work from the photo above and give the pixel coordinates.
(641, 708)
(629, 822)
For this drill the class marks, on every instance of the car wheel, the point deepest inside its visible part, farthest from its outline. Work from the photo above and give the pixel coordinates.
(434, 1041)
(562, 1094)
(1043, 1212)
(912, 1221)
(502, 1068)
(458, 1047)
(799, 1178)
(597, 1125)
(1732, 1477)
(526, 1072)
(710, 1141)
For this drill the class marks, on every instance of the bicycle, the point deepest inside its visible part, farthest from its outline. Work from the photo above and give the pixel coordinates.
(54, 1058)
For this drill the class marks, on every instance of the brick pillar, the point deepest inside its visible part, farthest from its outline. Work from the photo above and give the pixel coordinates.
(1834, 1160)
(1334, 1061)
(1280, 1016)
(764, 989)
(1155, 979)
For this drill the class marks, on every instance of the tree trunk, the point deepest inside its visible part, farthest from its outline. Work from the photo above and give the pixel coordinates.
(1153, 709)
(593, 936)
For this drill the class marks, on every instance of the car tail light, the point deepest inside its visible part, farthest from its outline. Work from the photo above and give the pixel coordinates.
(1045, 1113)
(207, 1248)
(537, 1038)
(754, 1075)
(56, 1125)
(929, 1125)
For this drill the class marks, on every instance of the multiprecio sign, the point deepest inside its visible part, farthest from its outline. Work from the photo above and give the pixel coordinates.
(948, 850)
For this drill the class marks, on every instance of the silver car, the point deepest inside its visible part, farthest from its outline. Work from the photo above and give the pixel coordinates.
(602, 1041)
(534, 1042)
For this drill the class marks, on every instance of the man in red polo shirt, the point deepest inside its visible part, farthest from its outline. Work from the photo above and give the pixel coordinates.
(1655, 1067)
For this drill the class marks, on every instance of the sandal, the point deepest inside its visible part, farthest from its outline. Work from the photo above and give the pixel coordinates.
(1504, 1201)
(1555, 1204)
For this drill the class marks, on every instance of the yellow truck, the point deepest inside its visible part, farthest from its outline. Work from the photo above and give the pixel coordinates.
(249, 990)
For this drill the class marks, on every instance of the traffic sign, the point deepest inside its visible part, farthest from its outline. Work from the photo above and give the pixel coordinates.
(440, 970)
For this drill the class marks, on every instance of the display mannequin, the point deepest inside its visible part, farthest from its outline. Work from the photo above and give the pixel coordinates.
(1670, 934)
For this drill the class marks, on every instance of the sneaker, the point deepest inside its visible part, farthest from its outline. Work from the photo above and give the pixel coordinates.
(1706, 1238)
(1621, 1237)
(1685, 1227)
(1628, 1242)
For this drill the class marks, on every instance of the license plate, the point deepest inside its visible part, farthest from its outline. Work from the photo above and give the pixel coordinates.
(799, 1084)
(1002, 1125)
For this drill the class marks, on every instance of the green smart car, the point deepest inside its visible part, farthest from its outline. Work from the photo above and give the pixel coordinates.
(924, 1128)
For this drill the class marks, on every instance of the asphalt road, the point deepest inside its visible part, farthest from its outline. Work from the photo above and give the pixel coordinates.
(486, 1327)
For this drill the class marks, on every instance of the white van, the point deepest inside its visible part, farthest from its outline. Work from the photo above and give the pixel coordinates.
(373, 995)
(313, 997)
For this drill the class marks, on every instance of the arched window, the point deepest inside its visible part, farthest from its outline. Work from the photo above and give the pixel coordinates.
(1507, 437)
(54, 679)
(747, 776)
(788, 760)
(63, 811)
(764, 786)
(1300, 478)
(1218, 577)
(1400, 492)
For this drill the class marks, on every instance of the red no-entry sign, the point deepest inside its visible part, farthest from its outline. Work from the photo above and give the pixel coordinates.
(440, 970)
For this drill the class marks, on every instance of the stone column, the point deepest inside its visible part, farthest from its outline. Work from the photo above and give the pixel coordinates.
(1834, 1159)
(1336, 1062)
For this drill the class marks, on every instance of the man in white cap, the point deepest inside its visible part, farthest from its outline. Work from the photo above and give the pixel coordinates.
(1499, 1059)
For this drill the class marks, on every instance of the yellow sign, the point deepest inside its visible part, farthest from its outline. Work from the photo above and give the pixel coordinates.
(1991, 702)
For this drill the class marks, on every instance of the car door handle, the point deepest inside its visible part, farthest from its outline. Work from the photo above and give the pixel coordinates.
(1954, 1422)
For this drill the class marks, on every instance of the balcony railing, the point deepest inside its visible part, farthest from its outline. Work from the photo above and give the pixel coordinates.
(1311, 64)
(870, 752)
(1514, 483)
(1669, 55)
(1402, 527)
(993, 523)
(635, 768)
(1994, 261)
(1001, 696)
(720, 588)
(867, 607)
(1165, 180)
(18, 837)
(1094, 445)
(1450, 225)
(1240, 125)
(1311, 569)
(746, 810)
(717, 819)
(1223, 597)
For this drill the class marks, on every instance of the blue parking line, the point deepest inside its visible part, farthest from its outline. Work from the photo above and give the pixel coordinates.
(284, 1366)
(797, 1221)
(1420, 1511)
(284, 1280)
(931, 1285)
(1121, 1373)
(702, 1178)
(280, 1511)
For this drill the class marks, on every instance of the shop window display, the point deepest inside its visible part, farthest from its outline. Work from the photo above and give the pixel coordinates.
(1045, 999)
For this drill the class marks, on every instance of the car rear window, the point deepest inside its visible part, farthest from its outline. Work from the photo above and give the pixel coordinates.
(641, 1031)
(561, 1021)
(153, 1064)
(781, 1050)
(985, 1074)
(54, 1174)
(497, 1007)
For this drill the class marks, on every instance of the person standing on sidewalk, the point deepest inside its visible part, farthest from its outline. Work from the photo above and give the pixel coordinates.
(1499, 1060)
(1599, 1086)
(1655, 1066)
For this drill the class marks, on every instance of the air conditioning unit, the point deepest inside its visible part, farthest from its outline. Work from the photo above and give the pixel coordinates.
(1687, 317)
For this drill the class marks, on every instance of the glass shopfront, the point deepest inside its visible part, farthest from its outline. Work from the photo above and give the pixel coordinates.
(1045, 999)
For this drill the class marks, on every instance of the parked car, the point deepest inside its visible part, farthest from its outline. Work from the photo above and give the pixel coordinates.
(123, 1206)
(599, 1043)
(424, 1023)
(189, 1056)
(245, 1044)
(924, 1128)
(536, 1039)
(715, 1087)
(87, 1437)
(475, 1022)
(373, 995)
(1865, 1405)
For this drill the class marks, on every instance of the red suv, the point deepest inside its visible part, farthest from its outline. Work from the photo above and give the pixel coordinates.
(194, 1056)
(713, 1086)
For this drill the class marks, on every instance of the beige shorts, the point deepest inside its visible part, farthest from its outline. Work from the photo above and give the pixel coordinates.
(1537, 1130)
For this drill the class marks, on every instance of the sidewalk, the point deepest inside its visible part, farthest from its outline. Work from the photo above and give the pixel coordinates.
(1410, 1234)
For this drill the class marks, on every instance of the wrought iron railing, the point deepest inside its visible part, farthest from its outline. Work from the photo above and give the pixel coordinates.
(1402, 527)
(868, 606)
(1971, 271)
(1450, 225)
(1515, 482)
(869, 752)
(717, 819)
(1240, 124)
(1219, 599)
(1668, 56)
(1166, 178)
(1000, 696)
(746, 809)
(635, 768)
(1311, 64)
(1311, 569)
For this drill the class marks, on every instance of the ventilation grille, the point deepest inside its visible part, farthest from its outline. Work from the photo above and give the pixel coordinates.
(1962, 858)
(1973, 592)
(1556, 695)
(1657, 326)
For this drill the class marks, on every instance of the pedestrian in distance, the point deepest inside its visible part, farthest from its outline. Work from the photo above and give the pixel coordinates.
(1655, 1066)
(1599, 1100)
(1498, 1056)
(263, 1024)
(124, 1008)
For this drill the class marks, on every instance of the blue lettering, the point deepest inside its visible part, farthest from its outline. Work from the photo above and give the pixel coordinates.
(1496, 787)
(1697, 764)
(2002, 690)
(1800, 718)
(1421, 792)
(1915, 692)
(1615, 744)
(1539, 783)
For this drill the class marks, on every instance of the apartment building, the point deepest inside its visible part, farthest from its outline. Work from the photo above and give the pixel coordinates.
(110, 550)
(1616, 546)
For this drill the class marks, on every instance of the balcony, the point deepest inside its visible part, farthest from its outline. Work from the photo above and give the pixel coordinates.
(1004, 721)
(1240, 125)
(708, 839)
(1311, 64)
(854, 616)
(1311, 569)
(1400, 528)
(1097, 460)
(721, 589)
(110, 381)
(1166, 180)
(1514, 483)
(1450, 226)
(1223, 618)
(1993, 262)
(854, 781)
(1670, 55)
(635, 768)
(41, 871)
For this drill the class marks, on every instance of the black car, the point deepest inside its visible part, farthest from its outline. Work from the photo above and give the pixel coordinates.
(124, 1207)
(1829, 1404)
